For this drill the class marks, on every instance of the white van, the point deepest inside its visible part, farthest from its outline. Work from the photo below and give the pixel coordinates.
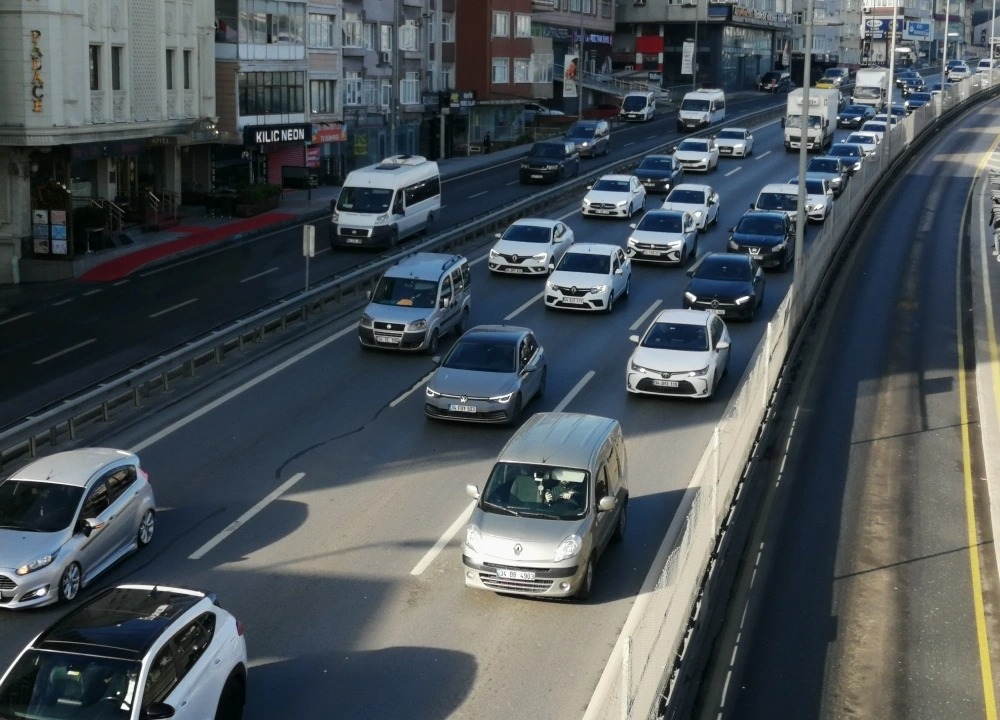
(381, 204)
(701, 108)
(638, 106)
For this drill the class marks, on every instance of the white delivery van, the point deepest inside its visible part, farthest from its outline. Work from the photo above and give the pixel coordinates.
(701, 108)
(638, 106)
(381, 204)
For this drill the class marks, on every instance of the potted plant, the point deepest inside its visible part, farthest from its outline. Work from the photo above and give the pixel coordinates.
(255, 199)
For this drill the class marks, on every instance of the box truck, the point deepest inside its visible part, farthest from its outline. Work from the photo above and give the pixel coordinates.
(821, 122)
(871, 87)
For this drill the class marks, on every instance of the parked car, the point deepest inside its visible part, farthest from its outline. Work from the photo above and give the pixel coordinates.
(727, 284)
(530, 246)
(663, 236)
(775, 81)
(659, 173)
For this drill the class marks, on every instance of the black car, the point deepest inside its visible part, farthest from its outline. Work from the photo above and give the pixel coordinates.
(775, 82)
(549, 161)
(851, 155)
(912, 85)
(659, 173)
(917, 99)
(903, 75)
(854, 116)
(726, 284)
(768, 236)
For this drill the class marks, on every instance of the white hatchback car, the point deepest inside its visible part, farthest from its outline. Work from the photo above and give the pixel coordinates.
(697, 154)
(682, 353)
(867, 140)
(615, 196)
(130, 652)
(590, 276)
(700, 200)
(734, 142)
(819, 197)
(663, 236)
(530, 246)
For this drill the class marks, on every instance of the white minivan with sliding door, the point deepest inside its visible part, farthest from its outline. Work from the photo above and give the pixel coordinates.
(382, 204)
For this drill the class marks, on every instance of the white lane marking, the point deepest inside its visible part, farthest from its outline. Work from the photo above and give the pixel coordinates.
(734, 170)
(573, 393)
(642, 318)
(478, 194)
(629, 143)
(570, 214)
(514, 182)
(479, 259)
(245, 517)
(525, 306)
(62, 302)
(16, 317)
(762, 155)
(188, 419)
(420, 383)
(260, 274)
(175, 307)
(53, 356)
(120, 282)
(430, 555)
(92, 292)
(463, 518)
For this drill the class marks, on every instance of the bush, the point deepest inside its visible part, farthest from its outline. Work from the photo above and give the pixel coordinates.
(257, 193)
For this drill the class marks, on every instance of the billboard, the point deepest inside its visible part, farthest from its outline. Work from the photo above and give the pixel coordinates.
(570, 76)
(687, 58)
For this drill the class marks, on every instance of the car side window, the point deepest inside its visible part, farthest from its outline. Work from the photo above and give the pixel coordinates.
(456, 280)
(466, 275)
(192, 642)
(97, 500)
(119, 481)
(161, 679)
(601, 489)
(529, 346)
(616, 263)
(614, 473)
(445, 289)
(716, 331)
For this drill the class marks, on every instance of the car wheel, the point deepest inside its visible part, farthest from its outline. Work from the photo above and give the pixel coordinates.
(432, 344)
(684, 256)
(642, 208)
(543, 382)
(620, 527)
(611, 303)
(146, 527)
(70, 582)
(588, 581)
(393, 238)
(232, 699)
(784, 263)
(463, 323)
(515, 413)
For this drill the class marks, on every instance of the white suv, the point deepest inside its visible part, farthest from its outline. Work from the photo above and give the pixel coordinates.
(130, 652)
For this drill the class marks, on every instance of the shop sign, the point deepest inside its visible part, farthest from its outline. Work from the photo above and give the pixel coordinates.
(431, 101)
(37, 84)
(754, 16)
(312, 156)
(274, 134)
(463, 98)
(161, 140)
(360, 144)
(328, 133)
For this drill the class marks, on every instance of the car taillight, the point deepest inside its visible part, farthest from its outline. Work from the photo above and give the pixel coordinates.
(239, 628)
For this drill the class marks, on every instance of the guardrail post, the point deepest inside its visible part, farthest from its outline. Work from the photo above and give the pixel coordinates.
(105, 413)
(765, 388)
(136, 396)
(626, 690)
(190, 366)
(71, 424)
(166, 381)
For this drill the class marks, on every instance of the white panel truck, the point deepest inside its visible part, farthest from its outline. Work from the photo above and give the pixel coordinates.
(871, 87)
(821, 122)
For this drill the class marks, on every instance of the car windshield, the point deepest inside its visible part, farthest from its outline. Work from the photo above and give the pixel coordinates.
(548, 151)
(861, 140)
(634, 103)
(731, 134)
(364, 200)
(581, 132)
(777, 201)
(657, 163)
(724, 268)
(37, 506)
(68, 686)
(850, 151)
(660, 222)
(920, 96)
(585, 263)
(676, 336)
(603, 185)
(687, 197)
(482, 355)
(762, 224)
(821, 165)
(694, 105)
(539, 491)
(854, 110)
(875, 127)
(528, 233)
(693, 145)
(405, 292)
(814, 186)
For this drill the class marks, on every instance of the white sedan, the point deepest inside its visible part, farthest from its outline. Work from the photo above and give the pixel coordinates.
(867, 140)
(734, 142)
(682, 353)
(531, 246)
(819, 197)
(699, 200)
(590, 276)
(615, 196)
(697, 154)
(664, 236)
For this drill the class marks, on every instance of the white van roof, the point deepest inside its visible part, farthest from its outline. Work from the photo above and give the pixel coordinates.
(393, 172)
(705, 93)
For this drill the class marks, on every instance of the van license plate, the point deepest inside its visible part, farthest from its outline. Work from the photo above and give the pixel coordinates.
(536, 177)
(462, 408)
(666, 383)
(387, 339)
(515, 574)
(353, 241)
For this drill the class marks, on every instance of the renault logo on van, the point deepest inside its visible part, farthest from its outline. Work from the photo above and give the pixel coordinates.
(517, 548)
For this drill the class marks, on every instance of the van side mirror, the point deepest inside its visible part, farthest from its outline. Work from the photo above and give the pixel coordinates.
(472, 491)
(445, 302)
(606, 503)
(369, 294)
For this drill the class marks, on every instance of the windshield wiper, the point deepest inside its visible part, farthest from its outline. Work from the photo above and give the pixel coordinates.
(544, 516)
(501, 508)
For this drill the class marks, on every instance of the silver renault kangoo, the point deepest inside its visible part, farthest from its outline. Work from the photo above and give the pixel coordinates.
(556, 497)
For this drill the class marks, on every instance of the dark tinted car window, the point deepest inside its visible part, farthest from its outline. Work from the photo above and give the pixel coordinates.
(192, 642)
(723, 268)
(97, 501)
(761, 225)
(548, 150)
(37, 507)
(657, 163)
(660, 222)
(676, 336)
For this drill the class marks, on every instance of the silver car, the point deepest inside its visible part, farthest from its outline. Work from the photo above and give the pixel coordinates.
(491, 373)
(68, 517)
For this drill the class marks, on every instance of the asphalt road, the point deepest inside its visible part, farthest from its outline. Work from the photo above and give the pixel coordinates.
(869, 589)
(349, 609)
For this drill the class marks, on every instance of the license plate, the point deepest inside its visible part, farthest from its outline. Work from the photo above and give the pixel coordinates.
(725, 150)
(573, 301)
(602, 212)
(513, 270)
(462, 408)
(515, 574)
(536, 177)
(652, 253)
(387, 339)
(353, 241)
(666, 383)
(717, 311)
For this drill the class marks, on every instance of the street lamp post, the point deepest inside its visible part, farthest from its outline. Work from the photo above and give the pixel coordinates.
(892, 81)
(944, 49)
(800, 210)
(694, 60)
(581, 68)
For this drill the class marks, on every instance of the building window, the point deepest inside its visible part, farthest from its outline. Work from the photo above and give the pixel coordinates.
(271, 93)
(352, 88)
(95, 67)
(322, 96)
(386, 94)
(447, 78)
(385, 38)
(116, 67)
(522, 70)
(501, 24)
(409, 89)
(523, 27)
(264, 27)
(447, 30)
(575, 5)
(321, 31)
(797, 17)
(371, 93)
(368, 40)
(409, 36)
(541, 68)
(187, 69)
(501, 71)
(605, 8)
(351, 30)
(170, 69)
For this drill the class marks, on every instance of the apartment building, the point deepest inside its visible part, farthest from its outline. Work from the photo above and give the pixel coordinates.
(325, 156)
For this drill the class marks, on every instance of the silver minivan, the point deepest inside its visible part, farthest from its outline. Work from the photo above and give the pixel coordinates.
(557, 495)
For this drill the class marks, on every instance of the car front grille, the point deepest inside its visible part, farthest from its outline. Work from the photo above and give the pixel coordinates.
(489, 416)
(354, 232)
(393, 326)
(6, 583)
(515, 259)
(538, 585)
(602, 206)
(649, 246)
(683, 387)
(573, 291)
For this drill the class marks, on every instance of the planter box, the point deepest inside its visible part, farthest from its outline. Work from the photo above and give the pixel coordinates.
(251, 209)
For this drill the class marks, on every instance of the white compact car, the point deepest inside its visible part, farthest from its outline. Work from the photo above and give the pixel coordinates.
(867, 140)
(530, 246)
(615, 196)
(697, 154)
(819, 197)
(734, 142)
(699, 200)
(879, 128)
(959, 72)
(683, 353)
(590, 276)
(664, 236)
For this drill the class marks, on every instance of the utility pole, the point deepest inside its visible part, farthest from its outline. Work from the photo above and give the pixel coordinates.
(892, 82)
(580, 68)
(944, 48)
(800, 211)
(694, 60)
(394, 67)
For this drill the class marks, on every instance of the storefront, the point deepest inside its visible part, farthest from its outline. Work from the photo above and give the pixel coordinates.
(273, 147)
(325, 157)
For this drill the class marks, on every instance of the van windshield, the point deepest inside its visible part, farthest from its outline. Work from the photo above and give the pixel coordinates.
(634, 103)
(867, 93)
(694, 105)
(585, 132)
(405, 292)
(364, 200)
(538, 491)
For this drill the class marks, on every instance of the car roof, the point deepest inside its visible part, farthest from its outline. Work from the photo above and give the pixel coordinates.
(424, 266)
(733, 129)
(696, 139)
(658, 156)
(121, 622)
(856, 146)
(666, 211)
(863, 134)
(540, 222)
(593, 248)
(616, 177)
(721, 257)
(683, 317)
(693, 186)
(495, 333)
(777, 214)
(822, 157)
(72, 467)
(558, 438)
(780, 187)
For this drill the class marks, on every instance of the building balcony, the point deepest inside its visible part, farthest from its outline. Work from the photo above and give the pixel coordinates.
(119, 106)
(98, 113)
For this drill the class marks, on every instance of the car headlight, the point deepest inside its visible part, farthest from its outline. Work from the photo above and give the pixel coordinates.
(473, 537)
(494, 254)
(812, 206)
(586, 202)
(381, 219)
(733, 245)
(525, 166)
(569, 547)
(621, 203)
(366, 320)
(36, 564)
(502, 398)
(417, 325)
(698, 213)
(744, 300)
(431, 392)
(583, 144)
(551, 167)
(550, 285)
(598, 288)
(740, 146)
(698, 373)
(335, 217)
(691, 297)
(636, 368)
(779, 247)
(540, 257)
